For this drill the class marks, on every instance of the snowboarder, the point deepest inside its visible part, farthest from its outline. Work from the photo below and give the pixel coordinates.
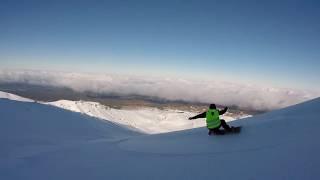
(213, 120)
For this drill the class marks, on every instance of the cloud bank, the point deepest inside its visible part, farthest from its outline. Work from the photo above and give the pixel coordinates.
(224, 93)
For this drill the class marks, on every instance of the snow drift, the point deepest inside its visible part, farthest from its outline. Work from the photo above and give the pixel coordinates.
(42, 142)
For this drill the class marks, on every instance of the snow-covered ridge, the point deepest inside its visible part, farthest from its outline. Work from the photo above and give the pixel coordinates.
(147, 120)
(14, 97)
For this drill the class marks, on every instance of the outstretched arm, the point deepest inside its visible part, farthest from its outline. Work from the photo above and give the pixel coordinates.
(223, 111)
(202, 115)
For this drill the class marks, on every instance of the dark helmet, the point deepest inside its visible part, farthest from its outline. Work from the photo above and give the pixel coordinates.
(212, 106)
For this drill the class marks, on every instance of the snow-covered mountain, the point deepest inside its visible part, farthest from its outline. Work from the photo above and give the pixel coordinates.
(14, 97)
(147, 120)
(41, 141)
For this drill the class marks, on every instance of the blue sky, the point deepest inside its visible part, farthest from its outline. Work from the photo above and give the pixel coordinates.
(266, 42)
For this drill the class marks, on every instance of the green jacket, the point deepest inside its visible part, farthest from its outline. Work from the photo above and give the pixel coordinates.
(212, 119)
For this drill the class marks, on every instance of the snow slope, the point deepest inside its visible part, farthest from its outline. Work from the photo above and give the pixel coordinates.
(44, 142)
(147, 120)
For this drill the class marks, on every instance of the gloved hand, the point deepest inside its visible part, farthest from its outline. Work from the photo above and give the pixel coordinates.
(190, 118)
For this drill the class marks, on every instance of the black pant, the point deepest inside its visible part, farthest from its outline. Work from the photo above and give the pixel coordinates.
(217, 129)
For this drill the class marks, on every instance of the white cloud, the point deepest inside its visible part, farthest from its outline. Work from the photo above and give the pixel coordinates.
(225, 93)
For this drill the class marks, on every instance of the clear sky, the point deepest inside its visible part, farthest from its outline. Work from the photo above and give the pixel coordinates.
(266, 42)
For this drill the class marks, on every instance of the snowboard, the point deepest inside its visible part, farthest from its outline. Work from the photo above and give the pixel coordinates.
(235, 130)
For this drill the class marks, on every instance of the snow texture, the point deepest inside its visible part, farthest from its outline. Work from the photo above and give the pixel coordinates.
(44, 142)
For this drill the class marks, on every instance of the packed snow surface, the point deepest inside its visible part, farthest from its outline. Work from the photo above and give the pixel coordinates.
(44, 142)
